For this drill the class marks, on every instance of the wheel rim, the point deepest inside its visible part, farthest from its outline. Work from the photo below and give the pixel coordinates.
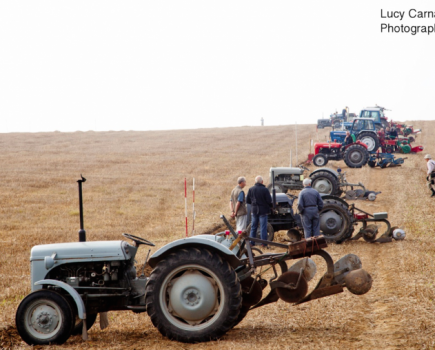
(356, 156)
(320, 161)
(323, 186)
(330, 223)
(43, 319)
(192, 297)
(369, 141)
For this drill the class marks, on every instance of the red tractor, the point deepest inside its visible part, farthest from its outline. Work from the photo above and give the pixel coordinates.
(354, 155)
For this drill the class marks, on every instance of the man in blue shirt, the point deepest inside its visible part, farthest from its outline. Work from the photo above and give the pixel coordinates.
(309, 205)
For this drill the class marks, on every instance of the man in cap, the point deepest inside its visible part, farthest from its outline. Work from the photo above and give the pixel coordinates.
(430, 173)
(238, 205)
(309, 205)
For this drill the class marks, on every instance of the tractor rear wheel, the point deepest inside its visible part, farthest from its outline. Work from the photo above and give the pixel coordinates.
(370, 139)
(325, 182)
(45, 317)
(336, 123)
(270, 231)
(356, 156)
(336, 221)
(193, 295)
(320, 160)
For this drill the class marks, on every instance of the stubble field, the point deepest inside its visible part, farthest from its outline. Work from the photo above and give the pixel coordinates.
(135, 184)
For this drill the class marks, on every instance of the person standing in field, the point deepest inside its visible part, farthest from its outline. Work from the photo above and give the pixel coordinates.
(309, 205)
(238, 205)
(261, 203)
(430, 173)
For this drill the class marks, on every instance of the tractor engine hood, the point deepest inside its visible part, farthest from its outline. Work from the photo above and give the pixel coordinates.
(288, 171)
(59, 253)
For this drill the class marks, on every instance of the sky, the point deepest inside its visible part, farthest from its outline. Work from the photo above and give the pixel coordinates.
(158, 65)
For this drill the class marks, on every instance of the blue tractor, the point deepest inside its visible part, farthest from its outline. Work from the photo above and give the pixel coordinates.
(364, 129)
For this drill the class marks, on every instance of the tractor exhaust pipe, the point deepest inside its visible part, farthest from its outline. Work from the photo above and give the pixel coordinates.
(82, 232)
(273, 191)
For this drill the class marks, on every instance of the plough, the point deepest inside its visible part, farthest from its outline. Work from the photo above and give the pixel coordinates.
(370, 230)
(384, 160)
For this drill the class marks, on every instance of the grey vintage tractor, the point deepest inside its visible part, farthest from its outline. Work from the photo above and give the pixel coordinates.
(199, 289)
(338, 220)
(325, 180)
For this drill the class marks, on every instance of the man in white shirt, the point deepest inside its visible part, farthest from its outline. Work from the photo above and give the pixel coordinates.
(430, 173)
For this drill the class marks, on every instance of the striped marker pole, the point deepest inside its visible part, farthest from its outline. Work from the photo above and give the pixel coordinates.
(185, 203)
(193, 209)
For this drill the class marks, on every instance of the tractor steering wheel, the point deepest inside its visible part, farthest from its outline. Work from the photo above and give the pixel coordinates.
(138, 240)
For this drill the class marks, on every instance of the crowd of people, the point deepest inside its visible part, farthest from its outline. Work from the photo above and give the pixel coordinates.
(258, 204)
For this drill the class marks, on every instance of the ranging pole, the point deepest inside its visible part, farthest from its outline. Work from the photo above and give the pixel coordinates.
(193, 209)
(185, 203)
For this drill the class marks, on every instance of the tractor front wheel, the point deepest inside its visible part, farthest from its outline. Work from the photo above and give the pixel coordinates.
(325, 182)
(320, 160)
(45, 317)
(193, 295)
(270, 231)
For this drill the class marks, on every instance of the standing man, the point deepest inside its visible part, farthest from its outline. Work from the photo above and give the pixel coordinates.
(309, 205)
(430, 173)
(344, 111)
(261, 202)
(238, 205)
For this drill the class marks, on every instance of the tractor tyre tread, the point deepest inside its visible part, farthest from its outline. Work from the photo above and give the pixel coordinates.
(348, 228)
(231, 286)
(317, 156)
(373, 136)
(67, 316)
(331, 177)
(347, 159)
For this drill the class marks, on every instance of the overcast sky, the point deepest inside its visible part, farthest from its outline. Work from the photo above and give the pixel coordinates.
(150, 65)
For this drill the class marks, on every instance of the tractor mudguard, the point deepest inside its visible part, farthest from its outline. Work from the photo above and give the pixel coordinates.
(341, 200)
(325, 169)
(200, 241)
(81, 309)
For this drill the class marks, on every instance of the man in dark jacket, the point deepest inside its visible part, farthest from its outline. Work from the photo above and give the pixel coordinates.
(261, 202)
(309, 205)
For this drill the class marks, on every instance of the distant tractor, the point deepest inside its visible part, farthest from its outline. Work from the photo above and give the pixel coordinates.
(325, 180)
(354, 155)
(335, 120)
(364, 130)
(377, 114)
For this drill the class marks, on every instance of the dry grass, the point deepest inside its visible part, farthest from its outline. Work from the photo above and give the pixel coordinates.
(135, 185)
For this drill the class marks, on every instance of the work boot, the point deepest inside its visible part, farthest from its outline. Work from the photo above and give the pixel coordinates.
(433, 193)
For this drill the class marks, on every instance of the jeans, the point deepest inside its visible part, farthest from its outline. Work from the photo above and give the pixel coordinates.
(255, 218)
(311, 222)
